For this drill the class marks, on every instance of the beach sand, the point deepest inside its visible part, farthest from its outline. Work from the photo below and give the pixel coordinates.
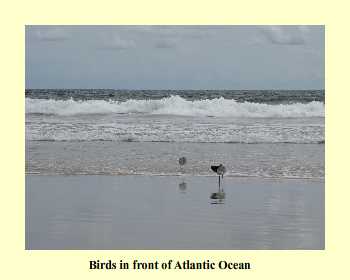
(173, 212)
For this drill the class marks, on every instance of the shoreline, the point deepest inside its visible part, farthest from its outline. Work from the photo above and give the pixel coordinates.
(179, 175)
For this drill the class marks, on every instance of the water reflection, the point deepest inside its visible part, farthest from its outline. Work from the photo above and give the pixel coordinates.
(218, 197)
(91, 212)
(183, 186)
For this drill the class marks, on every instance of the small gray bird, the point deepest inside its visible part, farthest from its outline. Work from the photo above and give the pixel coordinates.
(182, 162)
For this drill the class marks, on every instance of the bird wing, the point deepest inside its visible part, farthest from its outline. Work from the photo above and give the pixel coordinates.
(214, 168)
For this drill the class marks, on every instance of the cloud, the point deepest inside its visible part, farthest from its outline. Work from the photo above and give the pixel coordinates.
(117, 43)
(52, 34)
(171, 31)
(182, 31)
(285, 35)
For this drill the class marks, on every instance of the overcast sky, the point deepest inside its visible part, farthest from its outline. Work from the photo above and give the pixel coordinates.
(175, 57)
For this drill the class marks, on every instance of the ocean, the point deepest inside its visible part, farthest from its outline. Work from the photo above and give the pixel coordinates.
(255, 133)
(129, 192)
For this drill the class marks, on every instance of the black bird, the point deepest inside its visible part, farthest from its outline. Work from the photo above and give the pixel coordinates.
(220, 170)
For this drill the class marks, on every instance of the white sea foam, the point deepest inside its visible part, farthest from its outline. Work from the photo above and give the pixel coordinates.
(175, 105)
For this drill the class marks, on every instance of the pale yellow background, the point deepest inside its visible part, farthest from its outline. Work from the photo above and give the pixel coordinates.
(16, 263)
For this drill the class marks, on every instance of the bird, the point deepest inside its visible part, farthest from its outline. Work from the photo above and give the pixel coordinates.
(182, 161)
(220, 170)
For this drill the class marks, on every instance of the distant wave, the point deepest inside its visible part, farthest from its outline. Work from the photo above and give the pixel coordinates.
(175, 105)
(173, 141)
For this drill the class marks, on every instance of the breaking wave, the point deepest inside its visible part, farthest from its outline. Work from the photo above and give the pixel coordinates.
(175, 105)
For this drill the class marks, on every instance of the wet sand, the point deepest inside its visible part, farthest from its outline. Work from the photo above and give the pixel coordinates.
(173, 212)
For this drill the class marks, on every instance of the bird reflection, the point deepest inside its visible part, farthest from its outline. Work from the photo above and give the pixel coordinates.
(218, 197)
(183, 186)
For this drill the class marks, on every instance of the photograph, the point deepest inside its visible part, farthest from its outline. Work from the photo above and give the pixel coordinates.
(174, 137)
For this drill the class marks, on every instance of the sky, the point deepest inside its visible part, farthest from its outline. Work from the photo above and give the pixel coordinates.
(175, 57)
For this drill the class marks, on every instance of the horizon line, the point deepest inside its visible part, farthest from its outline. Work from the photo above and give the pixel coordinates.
(183, 89)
